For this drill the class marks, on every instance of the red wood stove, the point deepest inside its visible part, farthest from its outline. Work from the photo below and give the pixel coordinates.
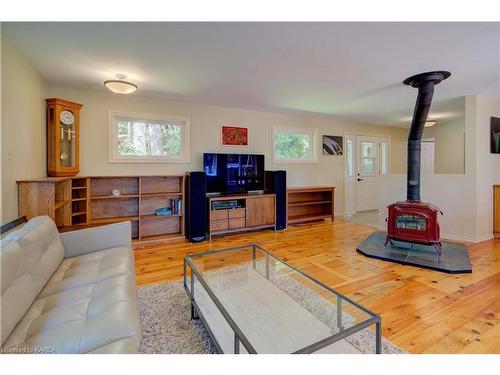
(415, 222)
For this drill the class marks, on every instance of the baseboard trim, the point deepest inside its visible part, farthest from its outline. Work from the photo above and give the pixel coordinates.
(467, 239)
(452, 237)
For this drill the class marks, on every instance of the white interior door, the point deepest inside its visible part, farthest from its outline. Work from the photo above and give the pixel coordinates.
(367, 170)
(427, 156)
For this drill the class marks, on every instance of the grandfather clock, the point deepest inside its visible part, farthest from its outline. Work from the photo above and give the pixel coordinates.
(63, 135)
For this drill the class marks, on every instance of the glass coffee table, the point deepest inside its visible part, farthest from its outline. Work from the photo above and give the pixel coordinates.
(252, 302)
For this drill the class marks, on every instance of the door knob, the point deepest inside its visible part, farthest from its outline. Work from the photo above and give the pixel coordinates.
(361, 179)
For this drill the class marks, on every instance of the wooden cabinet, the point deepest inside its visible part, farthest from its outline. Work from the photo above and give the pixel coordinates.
(496, 210)
(311, 203)
(260, 211)
(250, 212)
(63, 137)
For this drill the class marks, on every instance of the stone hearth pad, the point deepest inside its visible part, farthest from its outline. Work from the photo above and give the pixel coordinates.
(454, 256)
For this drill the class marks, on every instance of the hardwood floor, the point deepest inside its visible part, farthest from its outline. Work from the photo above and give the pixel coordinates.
(422, 311)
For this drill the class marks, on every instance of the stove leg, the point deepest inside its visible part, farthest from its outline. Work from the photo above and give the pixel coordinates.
(437, 246)
(387, 239)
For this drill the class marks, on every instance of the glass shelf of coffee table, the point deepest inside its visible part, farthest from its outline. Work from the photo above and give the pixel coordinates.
(250, 301)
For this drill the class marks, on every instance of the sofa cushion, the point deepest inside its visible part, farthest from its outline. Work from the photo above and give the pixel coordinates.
(93, 317)
(89, 304)
(117, 347)
(32, 254)
(90, 268)
(17, 287)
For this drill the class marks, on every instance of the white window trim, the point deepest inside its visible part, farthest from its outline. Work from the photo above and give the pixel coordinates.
(307, 131)
(386, 139)
(114, 157)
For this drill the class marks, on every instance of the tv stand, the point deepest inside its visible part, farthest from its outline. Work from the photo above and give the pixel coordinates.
(252, 212)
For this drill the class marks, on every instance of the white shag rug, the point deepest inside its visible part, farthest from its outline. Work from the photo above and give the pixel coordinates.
(167, 328)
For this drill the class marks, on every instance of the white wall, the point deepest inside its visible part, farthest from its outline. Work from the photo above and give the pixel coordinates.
(487, 164)
(453, 194)
(23, 126)
(205, 137)
(449, 144)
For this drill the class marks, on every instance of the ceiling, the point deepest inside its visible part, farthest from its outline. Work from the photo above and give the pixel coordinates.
(351, 71)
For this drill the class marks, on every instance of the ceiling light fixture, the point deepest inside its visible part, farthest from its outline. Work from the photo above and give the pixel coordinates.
(428, 124)
(120, 85)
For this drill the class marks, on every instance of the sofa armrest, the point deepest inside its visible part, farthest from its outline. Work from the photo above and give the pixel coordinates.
(89, 240)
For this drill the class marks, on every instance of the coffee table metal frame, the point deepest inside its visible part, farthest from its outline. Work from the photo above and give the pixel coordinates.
(239, 336)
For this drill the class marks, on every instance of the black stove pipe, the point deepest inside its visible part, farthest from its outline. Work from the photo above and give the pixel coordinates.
(425, 83)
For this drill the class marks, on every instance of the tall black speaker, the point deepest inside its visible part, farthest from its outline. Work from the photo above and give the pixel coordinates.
(196, 206)
(275, 182)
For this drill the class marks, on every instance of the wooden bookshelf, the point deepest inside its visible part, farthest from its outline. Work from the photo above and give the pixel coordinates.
(79, 202)
(313, 203)
(157, 192)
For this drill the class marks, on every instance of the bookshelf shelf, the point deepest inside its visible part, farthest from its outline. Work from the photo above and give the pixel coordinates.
(116, 219)
(166, 194)
(153, 216)
(121, 196)
(59, 204)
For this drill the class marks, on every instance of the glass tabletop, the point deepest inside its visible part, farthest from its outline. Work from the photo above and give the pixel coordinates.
(247, 295)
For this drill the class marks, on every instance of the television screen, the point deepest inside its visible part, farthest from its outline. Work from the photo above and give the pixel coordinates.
(233, 173)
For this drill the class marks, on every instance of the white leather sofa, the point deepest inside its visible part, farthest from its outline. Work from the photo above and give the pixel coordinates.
(73, 292)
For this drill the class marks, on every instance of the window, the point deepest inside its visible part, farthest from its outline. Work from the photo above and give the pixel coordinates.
(148, 138)
(294, 145)
(368, 158)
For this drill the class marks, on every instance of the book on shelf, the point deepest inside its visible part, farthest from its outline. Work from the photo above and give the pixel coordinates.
(176, 206)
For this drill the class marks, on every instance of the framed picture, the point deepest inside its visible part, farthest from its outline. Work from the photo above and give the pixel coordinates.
(333, 145)
(495, 135)
(233, 135)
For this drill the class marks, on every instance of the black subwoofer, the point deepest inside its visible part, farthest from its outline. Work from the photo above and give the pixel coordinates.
(276, 183)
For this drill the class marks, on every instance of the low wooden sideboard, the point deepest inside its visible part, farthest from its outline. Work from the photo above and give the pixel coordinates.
(310, 203)
(79, 202)
(253, 211)
(496, 210)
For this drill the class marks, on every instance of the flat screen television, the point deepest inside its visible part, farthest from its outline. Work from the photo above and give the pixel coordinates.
(233, 173)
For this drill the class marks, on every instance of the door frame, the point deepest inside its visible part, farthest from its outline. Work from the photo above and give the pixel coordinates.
(350, 194)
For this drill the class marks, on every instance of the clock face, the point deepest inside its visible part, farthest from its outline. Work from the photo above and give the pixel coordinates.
(67, 118)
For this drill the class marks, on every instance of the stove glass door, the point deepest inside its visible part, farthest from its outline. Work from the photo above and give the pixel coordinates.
(411, 221)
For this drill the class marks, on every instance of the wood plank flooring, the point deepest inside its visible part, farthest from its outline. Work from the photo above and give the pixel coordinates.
(422, 311)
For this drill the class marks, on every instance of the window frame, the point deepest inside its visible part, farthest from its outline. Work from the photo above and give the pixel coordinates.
(298, 130)
(114, 157)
